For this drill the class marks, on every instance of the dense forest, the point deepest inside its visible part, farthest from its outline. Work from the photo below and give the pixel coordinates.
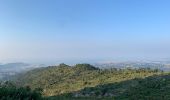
(86, 82)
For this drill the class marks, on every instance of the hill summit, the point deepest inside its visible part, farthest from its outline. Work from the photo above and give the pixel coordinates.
(64, 79)
(85, 67)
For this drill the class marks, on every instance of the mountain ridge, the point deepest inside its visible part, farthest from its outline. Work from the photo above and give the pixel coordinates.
(61, 79)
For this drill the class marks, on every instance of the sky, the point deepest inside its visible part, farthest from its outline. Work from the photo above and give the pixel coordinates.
(51, 31)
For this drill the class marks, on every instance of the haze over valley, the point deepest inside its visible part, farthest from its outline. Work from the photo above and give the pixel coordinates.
(84, 50)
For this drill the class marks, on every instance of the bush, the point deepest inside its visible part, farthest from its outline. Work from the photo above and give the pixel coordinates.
(10, 92)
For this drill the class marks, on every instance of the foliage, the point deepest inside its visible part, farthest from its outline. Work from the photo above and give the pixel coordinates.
(84, 80)
(9, 91)
(150, 88)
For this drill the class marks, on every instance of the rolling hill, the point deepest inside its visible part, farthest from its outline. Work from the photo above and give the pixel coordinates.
(87, 81)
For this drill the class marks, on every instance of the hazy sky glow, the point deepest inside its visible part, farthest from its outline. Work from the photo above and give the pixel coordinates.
(83, 30)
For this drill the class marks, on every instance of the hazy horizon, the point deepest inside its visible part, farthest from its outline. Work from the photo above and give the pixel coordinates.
(41, 31)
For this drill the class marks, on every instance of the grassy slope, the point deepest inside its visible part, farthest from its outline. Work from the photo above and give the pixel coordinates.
(83, 80)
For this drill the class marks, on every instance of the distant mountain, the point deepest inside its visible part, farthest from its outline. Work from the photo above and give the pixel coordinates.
(10, 69)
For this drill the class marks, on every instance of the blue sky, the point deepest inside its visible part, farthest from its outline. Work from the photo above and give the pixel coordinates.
(49, 31)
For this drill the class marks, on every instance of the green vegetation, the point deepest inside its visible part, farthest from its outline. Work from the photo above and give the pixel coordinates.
(151, 88)
(9, 91)
(86, 82)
